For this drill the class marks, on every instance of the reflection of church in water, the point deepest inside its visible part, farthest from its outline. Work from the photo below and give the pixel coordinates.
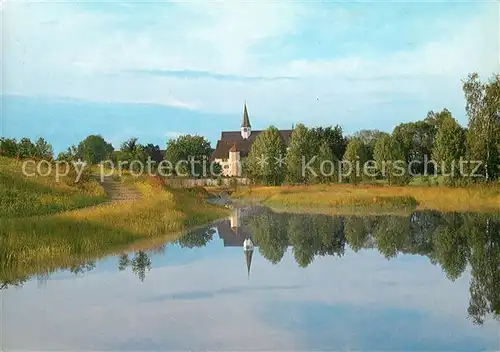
(234, 235)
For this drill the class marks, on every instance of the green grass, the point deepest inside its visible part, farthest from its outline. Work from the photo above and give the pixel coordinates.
(22, 196)
(58, 231)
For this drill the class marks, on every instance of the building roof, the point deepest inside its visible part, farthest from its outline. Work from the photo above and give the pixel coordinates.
(230, 138)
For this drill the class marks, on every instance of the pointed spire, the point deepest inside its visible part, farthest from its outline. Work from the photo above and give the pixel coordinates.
(246, 120)
(248, 257)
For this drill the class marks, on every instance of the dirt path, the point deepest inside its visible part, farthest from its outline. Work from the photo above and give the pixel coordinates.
(117, 190)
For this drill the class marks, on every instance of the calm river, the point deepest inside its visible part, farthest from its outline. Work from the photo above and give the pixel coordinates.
(428, 281)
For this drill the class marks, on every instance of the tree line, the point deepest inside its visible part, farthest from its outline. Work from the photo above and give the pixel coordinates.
(438, 137)
(432, 146)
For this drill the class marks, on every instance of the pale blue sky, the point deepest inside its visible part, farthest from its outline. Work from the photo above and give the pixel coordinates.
(156, 69)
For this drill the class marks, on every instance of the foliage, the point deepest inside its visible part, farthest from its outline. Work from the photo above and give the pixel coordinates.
(187, 148)
(264, 158)
(483, 111)
(390, 160)
(25, 148)
(301, 148)
(449, 147)
(8, 147)
(355, 156)
(369, 139)
(94, 149)
(43, 150)
(416, 140)
(333, 136)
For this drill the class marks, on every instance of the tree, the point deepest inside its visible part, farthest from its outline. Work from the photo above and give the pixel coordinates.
(390, 160)
(187, 150)
(94, 149)
(333, 136)
(355, 154)
(43, 150)
(131, 151)
(325, 157)
(69, 155)
(301, 146)
(416, 140)
(140, 264)
(449, 146)
(266, 159)
(369, 139)
(483, 111)
(196, 238)
(153, 151)
(25, 148)
(8, 147)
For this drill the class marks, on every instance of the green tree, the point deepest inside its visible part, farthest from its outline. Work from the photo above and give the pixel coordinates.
(449, 146)
(266, 158)
(69, 155)
(196, 238)
(369, 138)
(334, 138)
(153, 151)
(325, 164)
(43, 149)
(355, 155)
(25, 148)
(416, 140)
(94, 149)
(301, 148)
(390, 160)
(132, 151)
(188, 150)
(483, 111)
(8, 147)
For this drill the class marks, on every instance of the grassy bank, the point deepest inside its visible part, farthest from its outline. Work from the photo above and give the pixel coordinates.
(37, 244)
(22, 196)
(375, 197)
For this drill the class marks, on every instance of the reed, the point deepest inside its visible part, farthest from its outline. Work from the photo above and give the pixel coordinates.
(368, 197)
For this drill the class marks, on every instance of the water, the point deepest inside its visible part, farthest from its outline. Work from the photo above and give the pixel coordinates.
(429, 281)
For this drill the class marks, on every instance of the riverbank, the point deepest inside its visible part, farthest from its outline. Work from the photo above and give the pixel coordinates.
(369, 198)
(60, 236)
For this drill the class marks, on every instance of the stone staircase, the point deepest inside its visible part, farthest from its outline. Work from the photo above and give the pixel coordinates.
(117, 190)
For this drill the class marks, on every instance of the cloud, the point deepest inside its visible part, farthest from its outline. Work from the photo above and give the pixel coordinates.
(189, 74)
(351, 64)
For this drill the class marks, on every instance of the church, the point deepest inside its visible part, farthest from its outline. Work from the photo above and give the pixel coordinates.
(235, 145)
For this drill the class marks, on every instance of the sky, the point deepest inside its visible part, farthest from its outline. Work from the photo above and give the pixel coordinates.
(155, 69)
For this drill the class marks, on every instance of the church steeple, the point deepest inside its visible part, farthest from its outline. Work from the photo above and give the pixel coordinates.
(248, 257)
(246, 128)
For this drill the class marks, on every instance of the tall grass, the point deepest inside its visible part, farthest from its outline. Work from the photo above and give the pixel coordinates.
(22, 196)
(46, 237)
(368, 197)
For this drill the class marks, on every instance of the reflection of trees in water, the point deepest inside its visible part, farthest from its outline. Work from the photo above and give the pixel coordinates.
(449, 240)
(196, 238)
(83, 268)
(140, 263)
